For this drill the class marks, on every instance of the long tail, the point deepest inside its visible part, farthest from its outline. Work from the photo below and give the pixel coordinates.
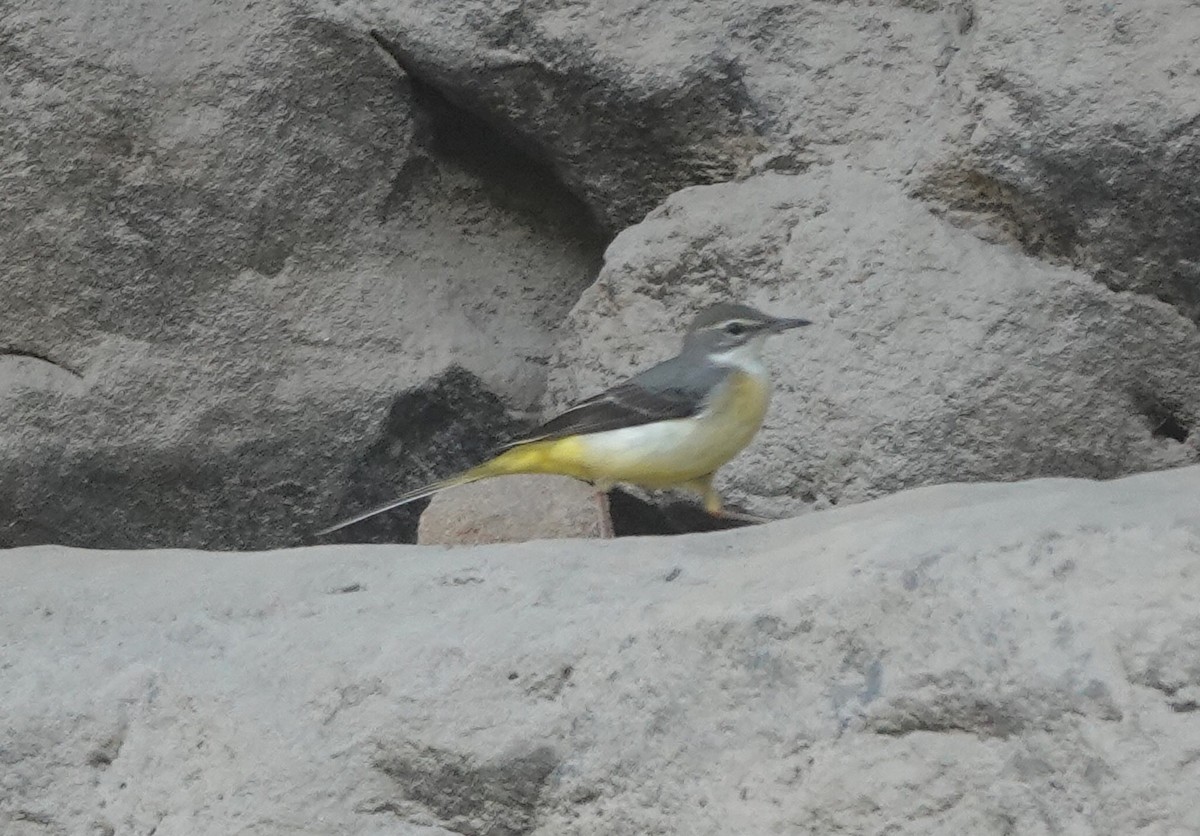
(483, 471)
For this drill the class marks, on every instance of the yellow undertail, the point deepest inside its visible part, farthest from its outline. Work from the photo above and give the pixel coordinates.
(570, 456)
(557, 456)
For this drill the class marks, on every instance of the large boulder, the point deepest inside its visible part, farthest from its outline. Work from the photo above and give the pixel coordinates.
(1018, 137)
(933, 357)
(241, 240)
(631, 104)
(1070, 130)
(233, 239)
(1076, 132)
(988, 659)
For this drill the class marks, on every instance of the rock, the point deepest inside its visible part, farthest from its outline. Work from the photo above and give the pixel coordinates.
(431, 432)
(237, 237)
(512, 509)
(934, 357)
(233, 237)
(1002, 114)
(982, 659)
(517, 509)
(1051, 151)
(631, 104)
(620, 140)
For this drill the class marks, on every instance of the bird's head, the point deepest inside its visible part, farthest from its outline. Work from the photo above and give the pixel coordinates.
(732, 330)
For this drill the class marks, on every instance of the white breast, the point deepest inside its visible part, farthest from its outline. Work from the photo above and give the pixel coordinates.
(670, 453)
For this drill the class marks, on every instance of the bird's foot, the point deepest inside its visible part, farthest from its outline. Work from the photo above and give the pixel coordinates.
(739, 516)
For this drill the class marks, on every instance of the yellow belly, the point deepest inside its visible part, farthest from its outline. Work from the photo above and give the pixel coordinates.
(659, 455)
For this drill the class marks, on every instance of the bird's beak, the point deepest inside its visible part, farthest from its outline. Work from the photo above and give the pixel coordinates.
(779, 324)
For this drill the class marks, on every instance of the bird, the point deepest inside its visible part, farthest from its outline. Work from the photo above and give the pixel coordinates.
(671, 426)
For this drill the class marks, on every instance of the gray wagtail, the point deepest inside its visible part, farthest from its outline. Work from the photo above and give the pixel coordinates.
(671, 426)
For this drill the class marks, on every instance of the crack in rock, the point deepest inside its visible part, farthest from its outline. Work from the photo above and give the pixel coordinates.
(34, 355)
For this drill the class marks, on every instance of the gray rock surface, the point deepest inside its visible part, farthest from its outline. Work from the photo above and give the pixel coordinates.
(233, 237)
(934, 356)
(513, 509)
(260, 269)
(633, 102)
(1070, 131)
(986, 659)
(1077, 133)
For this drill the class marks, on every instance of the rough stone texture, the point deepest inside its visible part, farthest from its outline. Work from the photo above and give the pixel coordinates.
(988, 659)
(259, 270)
(635, 100)
(513, 509)
(1078, 134)
(934, 356)
(430, 432)
(232, 237)
(239, 240)
(1073, 131)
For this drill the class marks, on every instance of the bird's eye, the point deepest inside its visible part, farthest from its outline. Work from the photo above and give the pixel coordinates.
(735, 329)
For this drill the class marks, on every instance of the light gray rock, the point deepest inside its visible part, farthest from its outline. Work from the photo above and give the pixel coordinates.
(933, 357)
(982, 659)
(1076, 131)
(245, 247)
(234, 238)
(1072, 131)
(1043, 155)
(633, 102)
(513, 509)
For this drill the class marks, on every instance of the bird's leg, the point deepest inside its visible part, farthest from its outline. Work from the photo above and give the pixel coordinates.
(703, 485)
(602, 505)
(713, 504)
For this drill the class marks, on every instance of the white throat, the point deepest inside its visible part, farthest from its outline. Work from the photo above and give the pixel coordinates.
(747, 358)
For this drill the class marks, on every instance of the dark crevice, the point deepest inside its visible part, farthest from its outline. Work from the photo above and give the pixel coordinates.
(966, 14)
(513, 174)
(1169, 427)
(33, 355)
(979, 719)
(634, 517)
(43, 819)
(433, 431)
(1035, 228)
(1178, 703)
(1165, 419)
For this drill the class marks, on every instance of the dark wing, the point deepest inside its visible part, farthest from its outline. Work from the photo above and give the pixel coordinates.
(674, 389)
(626, 405)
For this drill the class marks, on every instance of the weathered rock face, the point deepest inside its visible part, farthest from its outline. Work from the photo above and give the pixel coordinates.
(238, 239)
(633, 102)
(982, 659)
(260, 268)
(232, 240)
(1079, 136)
(1069, 131)
(653, 136)
(514, 510)
(934, 356)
